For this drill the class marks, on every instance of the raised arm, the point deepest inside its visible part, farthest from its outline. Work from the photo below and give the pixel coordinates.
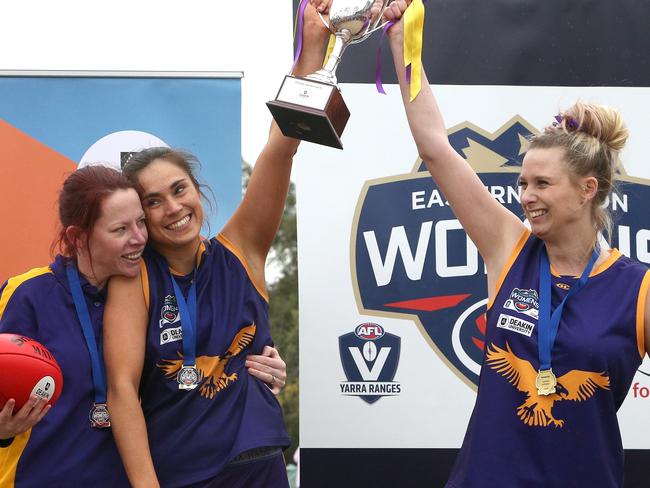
(493, 228)
(255, 223)
(126, 316)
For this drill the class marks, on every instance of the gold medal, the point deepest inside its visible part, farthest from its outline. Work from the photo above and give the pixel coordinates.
(545, 382)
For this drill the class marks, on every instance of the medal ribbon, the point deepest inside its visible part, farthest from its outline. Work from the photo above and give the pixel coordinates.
(550, 323)
(187, 311)
(96, 356)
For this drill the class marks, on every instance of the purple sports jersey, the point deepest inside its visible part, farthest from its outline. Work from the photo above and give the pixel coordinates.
(62, 450)
(517, 438)
(193, 434)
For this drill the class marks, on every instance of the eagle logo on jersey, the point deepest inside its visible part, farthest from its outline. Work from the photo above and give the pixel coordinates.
(536, 411)
(212, 375)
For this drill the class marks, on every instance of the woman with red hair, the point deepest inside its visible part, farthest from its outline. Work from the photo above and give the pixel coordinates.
(61, 306)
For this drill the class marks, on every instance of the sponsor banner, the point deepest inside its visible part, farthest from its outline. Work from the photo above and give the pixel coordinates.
(51, 124)
(382, 246)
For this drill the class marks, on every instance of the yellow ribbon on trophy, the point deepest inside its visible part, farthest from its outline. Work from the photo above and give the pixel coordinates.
(330, 46)
(413, 29)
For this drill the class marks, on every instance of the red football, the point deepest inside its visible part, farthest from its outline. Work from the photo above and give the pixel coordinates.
(27, 368)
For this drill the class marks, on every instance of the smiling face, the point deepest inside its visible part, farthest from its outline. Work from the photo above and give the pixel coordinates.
(553, 202)
(172, 205)
(117, 240)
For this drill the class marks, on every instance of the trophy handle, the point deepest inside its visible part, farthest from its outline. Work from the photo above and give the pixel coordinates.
(374, 26)
(369, 32)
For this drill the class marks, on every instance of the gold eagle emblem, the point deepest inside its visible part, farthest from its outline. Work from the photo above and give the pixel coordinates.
(576, 386)
(212, 376)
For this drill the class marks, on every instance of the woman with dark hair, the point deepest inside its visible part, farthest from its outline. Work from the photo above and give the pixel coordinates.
(184, 414)
(545, 412)
(102, 234)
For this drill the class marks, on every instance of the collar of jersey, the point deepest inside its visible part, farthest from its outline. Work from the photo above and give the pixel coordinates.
(614, 254)
(199, 256)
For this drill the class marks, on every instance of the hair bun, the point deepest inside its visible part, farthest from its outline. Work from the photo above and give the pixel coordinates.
(604, 123)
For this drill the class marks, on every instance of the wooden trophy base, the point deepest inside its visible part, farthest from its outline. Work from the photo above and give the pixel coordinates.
(311, 111)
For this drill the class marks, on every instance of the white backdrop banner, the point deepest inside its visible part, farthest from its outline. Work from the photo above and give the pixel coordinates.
(393, 293)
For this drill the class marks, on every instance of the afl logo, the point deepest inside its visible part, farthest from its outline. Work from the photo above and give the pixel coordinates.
(369, 357)
(563, 286)
(369, 331)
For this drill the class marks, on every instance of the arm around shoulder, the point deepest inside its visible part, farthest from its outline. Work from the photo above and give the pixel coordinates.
(126, 316)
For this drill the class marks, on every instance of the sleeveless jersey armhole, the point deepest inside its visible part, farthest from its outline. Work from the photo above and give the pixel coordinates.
(16, 281)
(260, 287)
(506, 268)
(640, 313)
(144, 279)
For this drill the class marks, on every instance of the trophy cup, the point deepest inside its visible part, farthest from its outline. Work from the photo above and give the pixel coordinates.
(312, 108)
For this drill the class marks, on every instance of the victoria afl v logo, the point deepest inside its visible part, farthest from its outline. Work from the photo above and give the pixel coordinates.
(411, 258)
(369, 356)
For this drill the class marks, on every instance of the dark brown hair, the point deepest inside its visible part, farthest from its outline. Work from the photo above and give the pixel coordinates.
(184, 160)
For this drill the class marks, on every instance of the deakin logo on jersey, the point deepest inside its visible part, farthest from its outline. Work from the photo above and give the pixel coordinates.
(412, 259)
(172, 334)
(369, 356)
(515, 324)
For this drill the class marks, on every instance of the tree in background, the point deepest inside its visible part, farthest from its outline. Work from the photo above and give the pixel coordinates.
(284, 308)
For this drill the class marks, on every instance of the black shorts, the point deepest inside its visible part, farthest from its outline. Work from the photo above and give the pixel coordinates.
(260, 471)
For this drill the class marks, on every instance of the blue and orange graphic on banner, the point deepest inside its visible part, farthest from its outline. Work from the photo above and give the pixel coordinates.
(49, 124)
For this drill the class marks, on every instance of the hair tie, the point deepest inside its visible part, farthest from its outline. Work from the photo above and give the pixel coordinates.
(569, 122)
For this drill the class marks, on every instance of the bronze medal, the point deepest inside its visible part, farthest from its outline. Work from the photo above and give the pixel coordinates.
(99, 417)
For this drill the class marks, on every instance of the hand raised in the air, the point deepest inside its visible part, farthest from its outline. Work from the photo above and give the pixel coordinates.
(396, 10)
(323, 6)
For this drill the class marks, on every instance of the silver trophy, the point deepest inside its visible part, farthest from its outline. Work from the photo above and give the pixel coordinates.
(312, 108)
